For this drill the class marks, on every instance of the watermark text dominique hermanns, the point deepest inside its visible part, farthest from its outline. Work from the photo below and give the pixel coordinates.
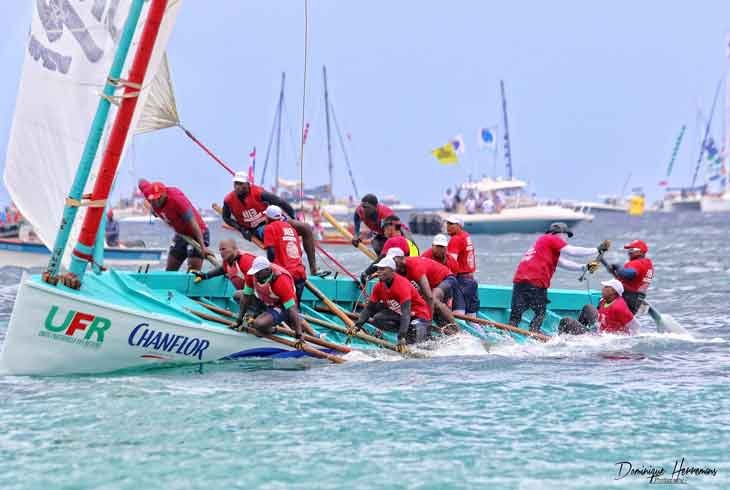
(681, 472)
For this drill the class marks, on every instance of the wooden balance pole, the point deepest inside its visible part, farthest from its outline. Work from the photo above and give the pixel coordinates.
(305, 348)
(503, 326)
(283, 328)
(346, 234)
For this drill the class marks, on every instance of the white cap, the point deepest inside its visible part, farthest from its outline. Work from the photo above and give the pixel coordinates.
(259, 264)
(274, 212)
(395, 252)
(615, 284)
(455, 219)
(386, 262)
(240, 176)
(440, 240)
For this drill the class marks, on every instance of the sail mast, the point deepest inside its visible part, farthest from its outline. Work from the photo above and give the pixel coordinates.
(278, 131)
(707, 133)
(117, 137)
(507, 148)
(93, 141)
(329, 138)
(726, 156)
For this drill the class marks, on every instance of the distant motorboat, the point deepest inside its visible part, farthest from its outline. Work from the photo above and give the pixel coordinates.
(607, 204)
(513, 211)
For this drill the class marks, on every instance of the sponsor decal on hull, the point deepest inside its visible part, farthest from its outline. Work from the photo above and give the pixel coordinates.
(148, 338)
(75, 327)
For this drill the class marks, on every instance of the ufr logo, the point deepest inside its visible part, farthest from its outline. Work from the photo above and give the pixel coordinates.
(75, 327)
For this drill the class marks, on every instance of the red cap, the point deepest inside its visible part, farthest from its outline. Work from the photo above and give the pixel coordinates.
(155, 190)
(637, 244)
(110, 214)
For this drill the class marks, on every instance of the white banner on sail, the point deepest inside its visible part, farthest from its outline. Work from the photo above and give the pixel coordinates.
(69, 51)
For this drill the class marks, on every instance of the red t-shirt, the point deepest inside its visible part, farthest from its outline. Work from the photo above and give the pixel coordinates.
(287, 250)
(614, 317)
(398, 241)
(435, 273)
(539, 262)
(450, 262)
(248, 213)
(237, 271)
(400, 291)
(644, 274)
(176, 212)
(279, 291)
(462, 250)
(383, 212)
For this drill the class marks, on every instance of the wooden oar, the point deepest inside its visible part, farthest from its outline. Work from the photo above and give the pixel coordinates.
(346, 234)
(324, 309)
(503, 326)
(210, 257)
(283, 328)
(345, 318)
(361, 335)
(665, 323)
(305, 348)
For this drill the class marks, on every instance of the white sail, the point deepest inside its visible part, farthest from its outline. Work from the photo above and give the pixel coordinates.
(69, 51)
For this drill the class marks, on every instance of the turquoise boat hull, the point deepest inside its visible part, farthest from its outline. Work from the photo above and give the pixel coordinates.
(121, 320)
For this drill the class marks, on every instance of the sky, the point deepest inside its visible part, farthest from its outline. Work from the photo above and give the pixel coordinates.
(595, 91)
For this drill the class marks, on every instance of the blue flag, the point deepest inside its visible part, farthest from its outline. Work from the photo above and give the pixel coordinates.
(487, 138)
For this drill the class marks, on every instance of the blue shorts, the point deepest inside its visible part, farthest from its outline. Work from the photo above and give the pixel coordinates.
(259, 231)
(278, 314)
(449, 286)
(467, 295)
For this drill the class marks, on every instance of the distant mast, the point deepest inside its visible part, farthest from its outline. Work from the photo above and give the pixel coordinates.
(507, 149)
(329, 138)
(726, 156)
(278, 132)
(703, 146)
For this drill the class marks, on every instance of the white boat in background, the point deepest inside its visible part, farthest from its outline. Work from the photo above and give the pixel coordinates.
(607, 204)
(716, 203)
(514, 211)
(394, 203)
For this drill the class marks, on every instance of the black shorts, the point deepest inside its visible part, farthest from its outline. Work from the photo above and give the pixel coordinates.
(181, 250)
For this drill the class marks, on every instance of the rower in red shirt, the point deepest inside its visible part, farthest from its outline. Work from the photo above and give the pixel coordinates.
(535, 272)
(244, 207)
(174, 208)
(461, 249)
(234, 265)
(395, 305)
(393, 231)
(613, 314)
(635, 275)
(438, 253)
(283, 246)
(434, 281)
(371, 213)
(273, 286)
(395, 239)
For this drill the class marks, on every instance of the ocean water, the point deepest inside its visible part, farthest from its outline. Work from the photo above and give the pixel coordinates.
(561, 415)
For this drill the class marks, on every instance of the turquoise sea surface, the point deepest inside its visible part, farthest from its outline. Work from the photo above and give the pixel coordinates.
(577, 413)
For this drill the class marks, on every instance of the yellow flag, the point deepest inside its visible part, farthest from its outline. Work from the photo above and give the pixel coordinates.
(445, 154)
